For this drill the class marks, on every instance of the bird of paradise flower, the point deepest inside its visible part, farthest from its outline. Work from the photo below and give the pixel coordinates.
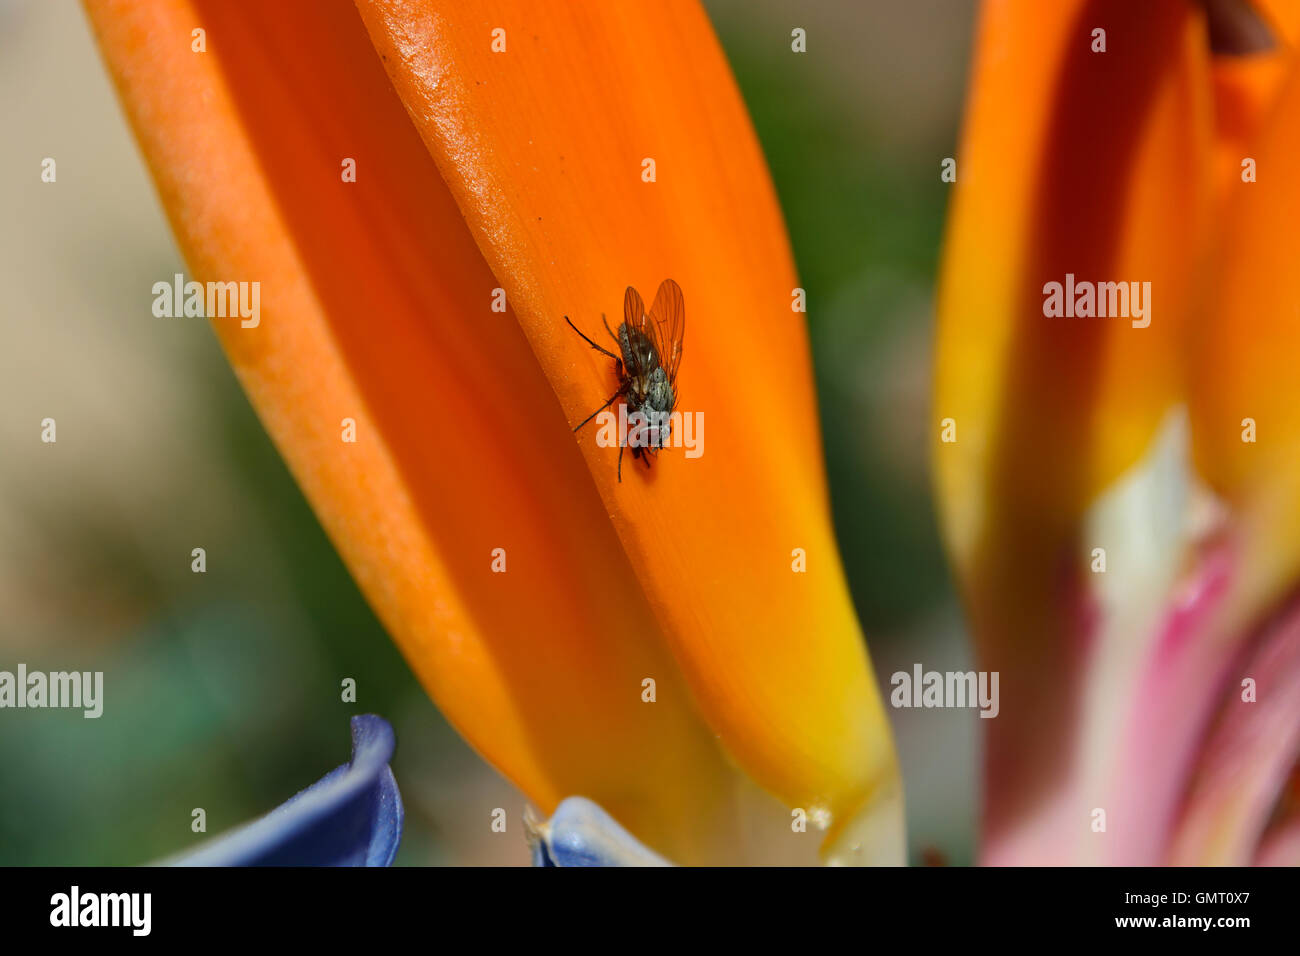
(499, 153)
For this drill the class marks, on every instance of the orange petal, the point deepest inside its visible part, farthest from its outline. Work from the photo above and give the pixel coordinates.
(544, 147)
(1245, 365)
(1283, 16)
(1257, 44)
(375, 306)
(1080, 162)
(1245, 92)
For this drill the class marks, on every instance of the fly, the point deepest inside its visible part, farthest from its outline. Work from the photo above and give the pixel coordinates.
(650, 344)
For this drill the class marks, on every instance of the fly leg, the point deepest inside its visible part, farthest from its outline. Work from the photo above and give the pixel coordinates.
(621, 389)
(589, 341)
(638, 451)
(611, 332)
(640, 448)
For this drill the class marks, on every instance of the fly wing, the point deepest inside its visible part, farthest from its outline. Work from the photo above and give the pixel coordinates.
(633, 309)
(639, 355)
(668, 326)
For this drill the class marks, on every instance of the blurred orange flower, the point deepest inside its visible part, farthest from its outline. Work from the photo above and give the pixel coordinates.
(1120, 535)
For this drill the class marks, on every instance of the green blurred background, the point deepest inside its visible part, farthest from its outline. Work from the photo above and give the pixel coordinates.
(224, 687)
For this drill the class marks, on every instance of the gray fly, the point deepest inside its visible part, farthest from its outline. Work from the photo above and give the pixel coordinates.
(650, 344)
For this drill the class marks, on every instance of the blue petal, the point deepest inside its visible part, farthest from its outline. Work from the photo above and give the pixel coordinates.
(350, 817)
(580, 833)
